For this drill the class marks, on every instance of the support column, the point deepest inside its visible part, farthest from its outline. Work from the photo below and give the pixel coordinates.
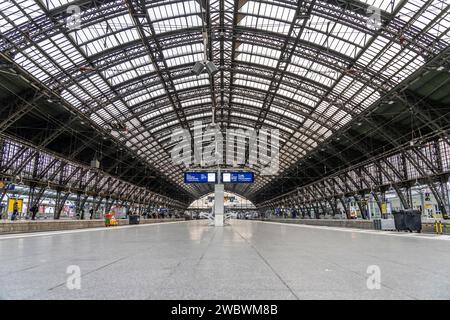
(218, 204)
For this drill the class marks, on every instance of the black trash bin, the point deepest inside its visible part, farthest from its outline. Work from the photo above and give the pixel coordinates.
(134, 219)
(413, 220)
(399, 219)
(377, 224)
(408, 220)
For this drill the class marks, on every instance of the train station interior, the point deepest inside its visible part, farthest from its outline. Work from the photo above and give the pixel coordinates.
(224, 149)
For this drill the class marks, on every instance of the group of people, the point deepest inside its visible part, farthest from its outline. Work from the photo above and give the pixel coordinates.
(15, 214)
(285, 214)
(81, 215)
(158, 215)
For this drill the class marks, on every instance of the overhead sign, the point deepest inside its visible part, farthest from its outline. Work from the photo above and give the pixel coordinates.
(200, 177)
(238, 177)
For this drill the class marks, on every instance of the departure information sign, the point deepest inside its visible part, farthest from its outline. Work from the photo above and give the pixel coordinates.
(238, 177)
(200, 177)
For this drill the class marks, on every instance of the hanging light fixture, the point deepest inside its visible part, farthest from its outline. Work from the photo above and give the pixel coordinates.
(211, 68)
(199, 66)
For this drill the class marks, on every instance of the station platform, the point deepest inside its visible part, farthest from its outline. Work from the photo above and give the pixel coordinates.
(428, 225)
(246, 260)
(24, 226)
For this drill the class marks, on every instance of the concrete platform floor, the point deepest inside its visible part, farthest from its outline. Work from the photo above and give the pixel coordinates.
(248, 260)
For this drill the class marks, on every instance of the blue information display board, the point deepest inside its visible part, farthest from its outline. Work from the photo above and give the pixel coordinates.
(200, 177)
(238, 177)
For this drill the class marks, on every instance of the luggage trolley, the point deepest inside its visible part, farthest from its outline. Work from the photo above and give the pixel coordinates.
(110, 220)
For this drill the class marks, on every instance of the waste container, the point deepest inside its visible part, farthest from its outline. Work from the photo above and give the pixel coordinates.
(408, 220)
(377, 224)
(399, 220)
(134, 219)
(413, 220)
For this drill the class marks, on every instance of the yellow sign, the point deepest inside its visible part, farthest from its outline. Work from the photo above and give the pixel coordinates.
(428, 206)
(383, 208)
(12, 202)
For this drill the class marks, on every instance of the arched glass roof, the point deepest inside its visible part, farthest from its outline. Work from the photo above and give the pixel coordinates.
(306, 68)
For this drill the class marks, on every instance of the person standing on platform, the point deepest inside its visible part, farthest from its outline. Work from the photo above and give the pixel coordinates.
(15, 212)
(91, 213)
(34, 209)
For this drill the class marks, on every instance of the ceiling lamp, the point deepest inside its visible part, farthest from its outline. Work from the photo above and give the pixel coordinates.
(211, 68)
(198, 68)
(205, 64)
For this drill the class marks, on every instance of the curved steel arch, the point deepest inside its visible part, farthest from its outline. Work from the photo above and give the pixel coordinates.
(349, 13)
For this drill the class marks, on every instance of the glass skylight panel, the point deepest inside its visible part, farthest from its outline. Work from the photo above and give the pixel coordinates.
(243, 115)
(286, 113)
(29, 65)
(285, 93)
(53, 4)
(265, 24)
(155, 113)
(247, 101)
(97, 119)
(330, 111)
(190, 82)
(255, 59)
(410, 9)
(174, 9)
(196, 101)
(306, 68)
(66, 95)
(183, 50)
(158, 92)
(164, 125)
(123, 77)
(15, 15)
(277, 125)
(80, 94)
(139, 93)
(259, 50)
(139, 99)
(12, 12)
(403, 65)
(197, 116)
(344, 90)
(112, 110)
(251, 84)
(91, 85)
(441, 25)
(110, 41)
(102, 30)
(267, 16)
(91, 32)
(104, 115)
(241, 126)
(367, 97)
(186, 59)
(177, 24)
(138, 66)
(306, 99)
